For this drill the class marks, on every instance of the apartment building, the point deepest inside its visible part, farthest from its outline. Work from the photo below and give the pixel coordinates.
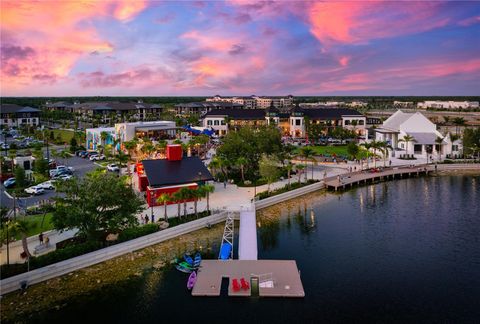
(17, 116)
(448, 104)
(256, 102)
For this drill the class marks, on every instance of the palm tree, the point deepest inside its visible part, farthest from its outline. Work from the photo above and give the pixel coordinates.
(241, 162)
(196, 194)
(65, 155)
(122, 158)
(384, 147)
(375, 145)
(104, 136)
(208, 189)
(186, 194)
(299, 168)
(458, 121)
(289, 168)
(21, 227)
(178, 197)
(439, 142)
(367, 147)
(407, 139)
(307, 153)
(214, 165)
(164, 199)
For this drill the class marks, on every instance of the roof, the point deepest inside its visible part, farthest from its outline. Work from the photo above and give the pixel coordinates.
(209, 104)
(330, 113)
(394, 121)
(424, 138)
(12, 108)
(245, 114)
(115, 105)
(165, 172)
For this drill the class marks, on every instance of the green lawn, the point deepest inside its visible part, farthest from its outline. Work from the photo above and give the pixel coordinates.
(65, 135)
(340, 150)
(35, 222)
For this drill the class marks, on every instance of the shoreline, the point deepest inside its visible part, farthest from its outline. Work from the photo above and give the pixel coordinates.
(56, 293)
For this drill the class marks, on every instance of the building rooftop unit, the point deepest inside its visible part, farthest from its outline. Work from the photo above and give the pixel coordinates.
(12, 109)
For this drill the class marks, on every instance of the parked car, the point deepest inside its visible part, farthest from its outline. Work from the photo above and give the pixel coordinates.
(61, 169)
(5, 146)
(35, 190)
(49, 185)
(113, 168)
(63, 177)
(9, 183)
(97, 157)
(89, 154)
(80, 153)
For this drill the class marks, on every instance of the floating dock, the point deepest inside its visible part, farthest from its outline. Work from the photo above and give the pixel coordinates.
(247, 240)
(267, 278)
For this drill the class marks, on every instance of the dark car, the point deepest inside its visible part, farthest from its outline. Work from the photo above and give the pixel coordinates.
(80, 153)
(89, 154)
(9, 183)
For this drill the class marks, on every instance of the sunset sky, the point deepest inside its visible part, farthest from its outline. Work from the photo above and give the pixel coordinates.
(163, 48)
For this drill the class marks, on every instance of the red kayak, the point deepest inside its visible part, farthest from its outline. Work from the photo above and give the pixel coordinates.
(191, 280)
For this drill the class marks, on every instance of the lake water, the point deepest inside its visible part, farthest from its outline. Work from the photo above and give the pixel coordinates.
(403, 251)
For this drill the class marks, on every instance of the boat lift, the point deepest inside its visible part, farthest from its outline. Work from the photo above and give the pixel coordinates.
(226, 248)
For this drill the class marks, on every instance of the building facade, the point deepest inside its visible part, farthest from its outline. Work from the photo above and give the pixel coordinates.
(18, 116)
(426, 141)
(448, 104)
(256, 102)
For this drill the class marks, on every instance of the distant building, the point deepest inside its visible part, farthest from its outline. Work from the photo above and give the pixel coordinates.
(256, 102)
(291, 123)
(423, 132)
(200, 108)
(18, 116)
(403, 103)
(124, 132)
(108, 109)
(448, 104)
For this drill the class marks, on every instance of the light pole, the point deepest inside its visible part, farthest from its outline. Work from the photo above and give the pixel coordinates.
(151, 205)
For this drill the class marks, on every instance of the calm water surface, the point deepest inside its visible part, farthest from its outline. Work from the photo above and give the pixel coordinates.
(404, 251)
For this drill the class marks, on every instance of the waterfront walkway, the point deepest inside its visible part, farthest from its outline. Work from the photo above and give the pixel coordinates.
(357, 178)
(247, 239)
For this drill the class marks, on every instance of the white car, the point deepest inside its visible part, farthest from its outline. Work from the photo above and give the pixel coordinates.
(49, 185)
(97, 157)
(35, 190)
(63, 177)
(113, 168)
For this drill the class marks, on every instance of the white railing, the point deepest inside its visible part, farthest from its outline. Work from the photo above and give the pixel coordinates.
(86, 260)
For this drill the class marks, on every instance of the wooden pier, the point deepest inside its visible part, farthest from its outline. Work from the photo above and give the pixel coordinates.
(348, 180)
(268, 278)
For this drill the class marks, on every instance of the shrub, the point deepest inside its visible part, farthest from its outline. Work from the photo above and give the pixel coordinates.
(293, 186)
(134, 232)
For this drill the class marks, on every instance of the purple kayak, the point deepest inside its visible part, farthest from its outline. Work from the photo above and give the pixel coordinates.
(191, 280)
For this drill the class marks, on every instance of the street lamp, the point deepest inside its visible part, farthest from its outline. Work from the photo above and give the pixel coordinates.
(151, 205)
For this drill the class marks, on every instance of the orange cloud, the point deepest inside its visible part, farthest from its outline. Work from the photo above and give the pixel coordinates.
(210, 41)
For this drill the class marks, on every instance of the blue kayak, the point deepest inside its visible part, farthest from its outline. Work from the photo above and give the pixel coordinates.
(198, 259)
(188, 259)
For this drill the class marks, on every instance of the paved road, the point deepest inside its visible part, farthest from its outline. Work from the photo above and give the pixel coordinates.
(82, 166)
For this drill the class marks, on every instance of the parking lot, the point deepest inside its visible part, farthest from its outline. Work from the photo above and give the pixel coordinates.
(81, 166)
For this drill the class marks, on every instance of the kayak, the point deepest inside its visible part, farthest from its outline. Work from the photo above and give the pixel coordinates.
(191, 280)
(188, 259)
(198, 259)
(185, 265)
(183, 269)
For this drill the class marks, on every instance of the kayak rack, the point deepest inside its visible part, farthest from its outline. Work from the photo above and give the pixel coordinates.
(226, 248)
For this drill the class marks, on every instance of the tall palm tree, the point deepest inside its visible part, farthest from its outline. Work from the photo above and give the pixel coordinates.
(104, 136)
(186, 194)
(307, 154)
(178, 197)
(241, 162)
(299, 168)
(375, 145)
(21, 227)
(196, 194)
(367, 147)
(214, 165)
(439, 142)
(384, 147)
(208, 189)
(289, 168)
(407, 139)
(164, 199)
(458, 121)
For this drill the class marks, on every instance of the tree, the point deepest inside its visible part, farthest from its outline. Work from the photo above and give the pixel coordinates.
(299, 168)
(21, 227)
(407, 139)
(178, 197)
(196, 194)
(241, 161)
(367, 147)
(122, 158)
(164, 199)
(458, 121)
(20, 178)
(384, 147)
(353, 149)
(73, 144)
(186, 194)
(289, 168)
(100, 203)
(103, 137)
(439, 142)
(471, 141)
(269, 169)
(307, 153)
(375, 146)
(208, 189)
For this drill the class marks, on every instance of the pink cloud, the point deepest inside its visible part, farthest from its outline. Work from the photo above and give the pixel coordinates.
(470, 21)
(359, 22)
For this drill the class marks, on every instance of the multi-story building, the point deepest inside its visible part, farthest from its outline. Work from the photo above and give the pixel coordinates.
(403, 103)
(256, 102)
(291, 123)
(200, 108)
(107, 110)
(448, 104)
(17, 116)
(426, 141)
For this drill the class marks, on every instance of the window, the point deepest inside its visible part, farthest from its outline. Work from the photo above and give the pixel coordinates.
(223, 122)
(347, 122)
(209, 122)
(216, 122)
(298, 122)
(454, 147)
(361, 122)
(292, 122)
